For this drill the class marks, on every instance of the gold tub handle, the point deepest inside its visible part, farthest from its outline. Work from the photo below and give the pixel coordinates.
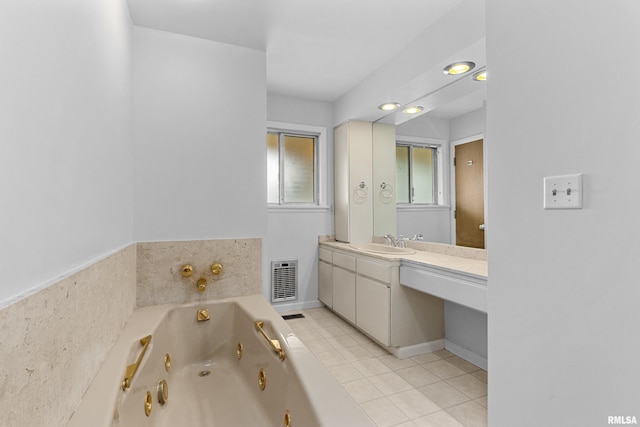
(216, 268)
(133, 368)
(274, 344)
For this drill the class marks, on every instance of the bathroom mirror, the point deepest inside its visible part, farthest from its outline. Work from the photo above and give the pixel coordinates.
(450, 114)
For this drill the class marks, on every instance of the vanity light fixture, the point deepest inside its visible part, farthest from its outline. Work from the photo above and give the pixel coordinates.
(414, 109)
(389, 106)
(480, 76)
(459, 67)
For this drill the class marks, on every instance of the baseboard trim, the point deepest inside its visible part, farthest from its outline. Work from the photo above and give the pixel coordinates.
(467, 355)
(417, 349)
(293, 306)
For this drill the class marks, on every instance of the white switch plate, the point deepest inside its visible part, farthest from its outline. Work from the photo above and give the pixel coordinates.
(563, 192)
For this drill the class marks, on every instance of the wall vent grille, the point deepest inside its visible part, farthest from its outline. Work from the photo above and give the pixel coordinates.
(284, 280)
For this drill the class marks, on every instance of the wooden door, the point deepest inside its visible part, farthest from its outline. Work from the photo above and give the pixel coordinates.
(469, 171)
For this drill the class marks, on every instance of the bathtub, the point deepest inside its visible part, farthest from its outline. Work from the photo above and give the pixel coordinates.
(217, 372)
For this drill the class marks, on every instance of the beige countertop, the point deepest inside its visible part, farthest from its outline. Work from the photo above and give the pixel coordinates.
(444, 257)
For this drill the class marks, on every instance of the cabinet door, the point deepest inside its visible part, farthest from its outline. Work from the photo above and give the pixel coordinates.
(325, 283)
(344, 293)
(353, 216)
(373, 308)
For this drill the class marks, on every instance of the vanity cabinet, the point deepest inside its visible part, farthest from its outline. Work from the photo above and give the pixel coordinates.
(366, 291)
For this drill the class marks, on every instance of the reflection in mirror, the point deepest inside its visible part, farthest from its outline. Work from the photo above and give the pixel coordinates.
(424, 193)
(416, 174)
(403, 179)
(384, 179)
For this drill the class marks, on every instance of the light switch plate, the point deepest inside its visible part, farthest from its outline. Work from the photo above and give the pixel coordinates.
(563, 191)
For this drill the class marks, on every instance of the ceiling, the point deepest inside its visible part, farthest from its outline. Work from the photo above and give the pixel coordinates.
(314, 50)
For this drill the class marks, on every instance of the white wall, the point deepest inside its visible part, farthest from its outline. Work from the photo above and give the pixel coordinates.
(425, 127)
(199, 135)
(563, 285)
(465, 331)
(433, 223)
(294, 235)
(65, 150)
(466, 125)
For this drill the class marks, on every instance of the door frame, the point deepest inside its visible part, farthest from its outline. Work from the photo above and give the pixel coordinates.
(452, 183)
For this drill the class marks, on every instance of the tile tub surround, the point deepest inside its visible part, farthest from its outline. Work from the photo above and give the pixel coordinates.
(54, 341)
(159, 266)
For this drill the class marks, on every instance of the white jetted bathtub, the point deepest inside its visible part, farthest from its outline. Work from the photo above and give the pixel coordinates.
(243, 366)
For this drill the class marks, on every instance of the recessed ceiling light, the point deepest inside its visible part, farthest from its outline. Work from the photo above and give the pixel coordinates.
(414, 109)
(388, 106)
(459, 67)
(480, 76)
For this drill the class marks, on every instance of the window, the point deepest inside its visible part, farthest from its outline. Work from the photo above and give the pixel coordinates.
(416, 174)
(292, 168)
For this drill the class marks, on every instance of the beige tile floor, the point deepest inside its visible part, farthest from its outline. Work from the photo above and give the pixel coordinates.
(435, 389)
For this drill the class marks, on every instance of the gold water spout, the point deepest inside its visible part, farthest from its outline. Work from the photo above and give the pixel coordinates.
(202, 284)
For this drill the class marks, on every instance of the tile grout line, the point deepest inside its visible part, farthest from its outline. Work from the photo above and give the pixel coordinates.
(320, 319)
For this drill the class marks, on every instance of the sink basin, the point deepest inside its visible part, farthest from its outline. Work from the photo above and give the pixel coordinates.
(381, 249)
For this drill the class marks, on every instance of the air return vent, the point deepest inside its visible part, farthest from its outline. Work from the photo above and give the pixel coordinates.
(284, 280)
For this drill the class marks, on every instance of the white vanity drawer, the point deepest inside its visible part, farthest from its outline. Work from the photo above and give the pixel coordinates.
(381, 272)
(325, 255)
(344, 261)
